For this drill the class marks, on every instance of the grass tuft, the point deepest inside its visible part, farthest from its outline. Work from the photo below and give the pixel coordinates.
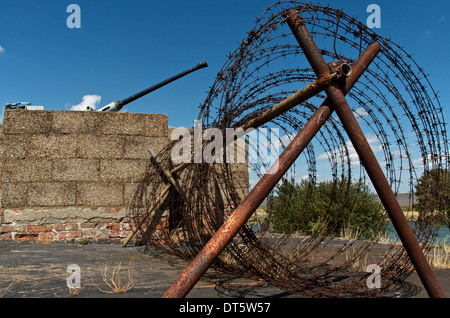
(115, 282)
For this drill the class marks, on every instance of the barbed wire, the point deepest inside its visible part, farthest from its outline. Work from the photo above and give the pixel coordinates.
(399, 112)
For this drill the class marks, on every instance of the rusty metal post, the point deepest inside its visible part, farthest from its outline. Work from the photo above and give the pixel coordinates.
(240, 216)
(367, 157)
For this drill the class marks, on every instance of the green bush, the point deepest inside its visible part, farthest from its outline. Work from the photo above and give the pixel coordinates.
(327, 208)
(433, 195)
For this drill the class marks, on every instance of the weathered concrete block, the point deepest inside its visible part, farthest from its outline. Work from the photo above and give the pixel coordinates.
(129, 192)
(52, 146)
(157, 125)
(15, 146)
(109, 123)
(77, 122)
(136, 147)
(122, 170)
(239, 172)
(2, 137)
(115, 123)
(98, 146)
(76, 169)
(28, 122)
(99, 194)
(51, 194)
(27, 170)
(67, 217)
(14, 195)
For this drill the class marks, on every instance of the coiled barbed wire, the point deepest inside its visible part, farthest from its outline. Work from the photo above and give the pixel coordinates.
(399, 112)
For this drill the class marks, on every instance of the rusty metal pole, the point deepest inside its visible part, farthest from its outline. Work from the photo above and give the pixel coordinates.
(367, 157)
(192, 274)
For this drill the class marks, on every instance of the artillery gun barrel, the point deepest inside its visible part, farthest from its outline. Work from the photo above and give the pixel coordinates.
(116, 106)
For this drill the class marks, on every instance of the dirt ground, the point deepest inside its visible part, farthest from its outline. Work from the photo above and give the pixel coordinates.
(31, 270)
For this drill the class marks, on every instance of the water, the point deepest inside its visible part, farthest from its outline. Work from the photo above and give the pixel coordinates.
(443, 235)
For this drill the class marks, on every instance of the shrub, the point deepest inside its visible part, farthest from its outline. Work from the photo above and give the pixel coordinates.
(433, 195)
(327, 208)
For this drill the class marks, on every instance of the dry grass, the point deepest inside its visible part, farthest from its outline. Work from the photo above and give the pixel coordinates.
(349, 233)
(3, 291)
(438, 256)
(358, 263)
(115, 282)
(74, 291)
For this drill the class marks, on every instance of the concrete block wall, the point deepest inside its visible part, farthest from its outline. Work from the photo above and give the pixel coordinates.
(69, 175)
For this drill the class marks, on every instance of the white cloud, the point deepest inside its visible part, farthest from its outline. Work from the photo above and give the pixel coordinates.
(420, 162)
(88, 100)
(337, 153)
(282, 141)
(2, 50)
(360, 112)
(374, 143)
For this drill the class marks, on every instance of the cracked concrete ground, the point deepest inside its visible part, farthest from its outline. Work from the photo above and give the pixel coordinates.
(34, 270)
(40, 270)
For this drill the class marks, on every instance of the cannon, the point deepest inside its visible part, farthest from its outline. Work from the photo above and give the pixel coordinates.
(118, 105)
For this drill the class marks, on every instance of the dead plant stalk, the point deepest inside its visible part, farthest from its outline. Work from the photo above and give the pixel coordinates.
(115, 282)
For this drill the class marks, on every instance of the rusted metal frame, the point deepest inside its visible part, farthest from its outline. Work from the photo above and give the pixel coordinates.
(155, 205)
(295, 99)
(367, 157)
(167, 174)
(192, 274)
(172, 182)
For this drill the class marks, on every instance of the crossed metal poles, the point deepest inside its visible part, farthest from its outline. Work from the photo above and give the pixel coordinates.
(335, 102)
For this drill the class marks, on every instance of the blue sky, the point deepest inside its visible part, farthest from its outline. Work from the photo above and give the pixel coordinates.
(125, 46)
